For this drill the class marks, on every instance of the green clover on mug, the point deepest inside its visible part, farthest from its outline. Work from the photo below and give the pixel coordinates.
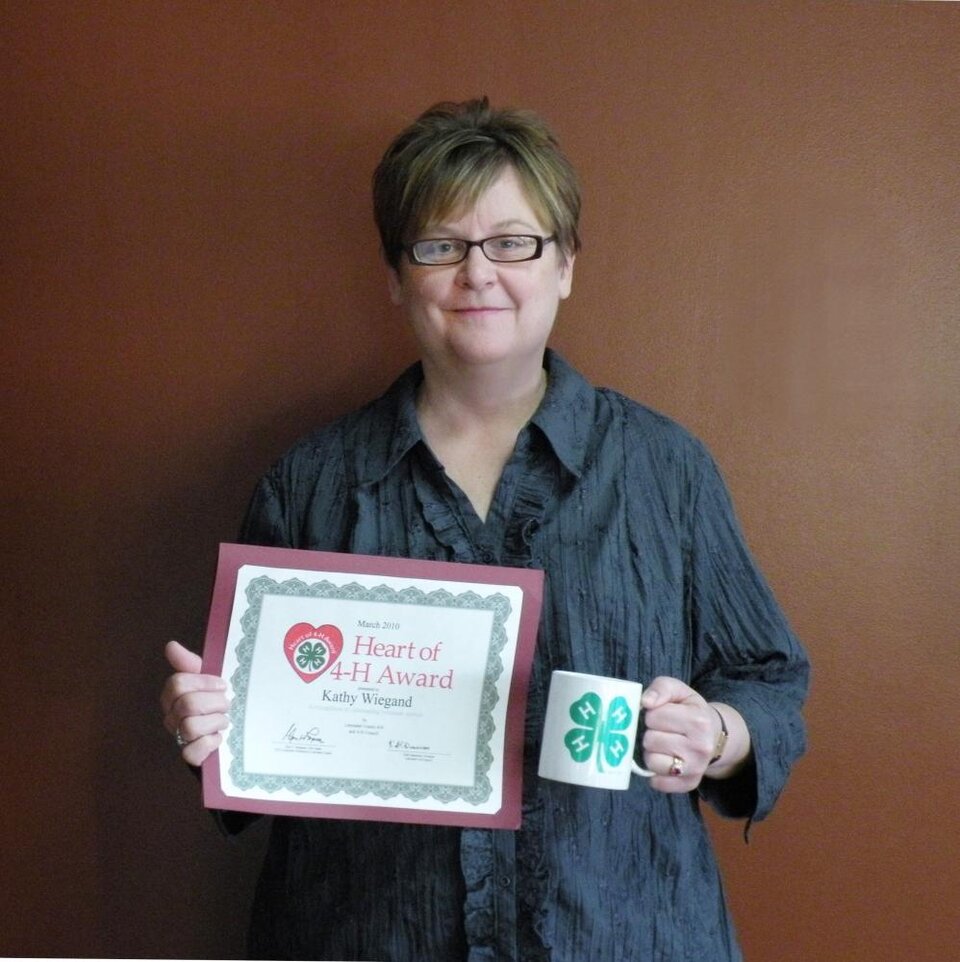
(597, 733)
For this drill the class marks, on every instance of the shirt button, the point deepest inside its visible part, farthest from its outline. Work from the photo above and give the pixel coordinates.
(506, 881)
(487, 555)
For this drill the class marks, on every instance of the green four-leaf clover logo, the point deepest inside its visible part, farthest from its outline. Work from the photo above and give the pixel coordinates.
(597, 733)
(311, 656)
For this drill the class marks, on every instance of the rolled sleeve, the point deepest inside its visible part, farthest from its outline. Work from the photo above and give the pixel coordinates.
(744, 654)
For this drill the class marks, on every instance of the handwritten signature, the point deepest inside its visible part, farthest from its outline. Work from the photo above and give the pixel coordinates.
(292, 734)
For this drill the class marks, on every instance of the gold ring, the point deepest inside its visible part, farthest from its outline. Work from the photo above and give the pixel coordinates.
(677, 767)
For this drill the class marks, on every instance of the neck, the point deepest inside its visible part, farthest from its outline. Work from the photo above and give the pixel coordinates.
(494, 397)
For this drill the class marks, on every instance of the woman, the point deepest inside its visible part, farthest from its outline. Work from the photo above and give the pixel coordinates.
(494, 450)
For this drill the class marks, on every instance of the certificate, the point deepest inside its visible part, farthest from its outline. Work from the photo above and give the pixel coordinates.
(371, 688)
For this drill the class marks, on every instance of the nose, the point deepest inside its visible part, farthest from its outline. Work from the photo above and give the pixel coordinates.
(476, 270)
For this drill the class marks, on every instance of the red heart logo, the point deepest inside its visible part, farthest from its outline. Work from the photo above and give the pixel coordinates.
(311, 651)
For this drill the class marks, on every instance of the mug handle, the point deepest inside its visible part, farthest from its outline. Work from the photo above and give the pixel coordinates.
(637, 770)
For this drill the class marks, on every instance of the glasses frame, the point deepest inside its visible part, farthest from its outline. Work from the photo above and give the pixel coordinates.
(538, 252)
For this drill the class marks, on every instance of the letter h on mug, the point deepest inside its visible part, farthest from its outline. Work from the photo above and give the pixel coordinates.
(590, 731)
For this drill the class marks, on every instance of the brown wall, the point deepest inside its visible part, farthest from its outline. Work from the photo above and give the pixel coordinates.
(190, 281)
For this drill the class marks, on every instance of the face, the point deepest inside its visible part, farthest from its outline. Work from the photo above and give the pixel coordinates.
(479, 312)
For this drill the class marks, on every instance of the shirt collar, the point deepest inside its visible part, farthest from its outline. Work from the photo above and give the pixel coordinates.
(565, 417)
(566, 413)
(397, 408)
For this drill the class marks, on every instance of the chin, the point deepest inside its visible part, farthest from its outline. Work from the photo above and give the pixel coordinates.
(488, 354)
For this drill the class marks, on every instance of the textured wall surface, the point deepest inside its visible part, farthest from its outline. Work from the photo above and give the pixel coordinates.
(189, 280)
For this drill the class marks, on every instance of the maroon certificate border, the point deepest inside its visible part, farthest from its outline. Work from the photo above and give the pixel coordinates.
(529, 580)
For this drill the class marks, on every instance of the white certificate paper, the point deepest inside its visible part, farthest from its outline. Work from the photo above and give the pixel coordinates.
(371, 688)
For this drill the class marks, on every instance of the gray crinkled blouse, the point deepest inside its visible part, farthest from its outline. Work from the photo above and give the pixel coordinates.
(647, 573)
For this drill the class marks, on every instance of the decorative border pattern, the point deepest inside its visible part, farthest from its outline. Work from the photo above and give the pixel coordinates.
(475, 794)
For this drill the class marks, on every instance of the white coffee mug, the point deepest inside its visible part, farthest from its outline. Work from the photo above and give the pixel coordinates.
(590, 730)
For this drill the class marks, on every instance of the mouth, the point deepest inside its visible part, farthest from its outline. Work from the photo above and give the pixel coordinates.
(479, 311)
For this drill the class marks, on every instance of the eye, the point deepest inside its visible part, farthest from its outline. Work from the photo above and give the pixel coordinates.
(513, 243)
(441, 246)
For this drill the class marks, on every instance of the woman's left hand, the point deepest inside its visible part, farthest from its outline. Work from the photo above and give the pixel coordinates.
(681, 736)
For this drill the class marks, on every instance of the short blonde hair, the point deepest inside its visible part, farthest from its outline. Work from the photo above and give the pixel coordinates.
(452, 153)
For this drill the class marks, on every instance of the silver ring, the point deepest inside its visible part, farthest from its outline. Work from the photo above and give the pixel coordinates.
(677, 767)
(181, 741)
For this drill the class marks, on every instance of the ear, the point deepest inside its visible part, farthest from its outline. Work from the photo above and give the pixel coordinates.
(566, 276)
(394, 285)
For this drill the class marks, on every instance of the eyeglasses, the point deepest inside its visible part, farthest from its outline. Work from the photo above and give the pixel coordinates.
(504, 248)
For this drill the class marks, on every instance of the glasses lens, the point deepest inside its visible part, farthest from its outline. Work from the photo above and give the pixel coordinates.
(511, 247)
(443, 250)
(503, 247)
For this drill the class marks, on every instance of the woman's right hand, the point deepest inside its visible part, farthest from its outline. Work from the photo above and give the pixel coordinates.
(195, 706)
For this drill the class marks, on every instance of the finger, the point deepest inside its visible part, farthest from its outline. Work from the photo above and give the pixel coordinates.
(197, 703)
(663, 690)
(200, 702)
(666, 780)
(196, 689)
(194, 727)
(197, 751)
(669, 717)
(187, 666)
(182, 659)
(661, 752)
(661, 763)
(665, 745)
(691, 718)
(682, 730)
(674, 784)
